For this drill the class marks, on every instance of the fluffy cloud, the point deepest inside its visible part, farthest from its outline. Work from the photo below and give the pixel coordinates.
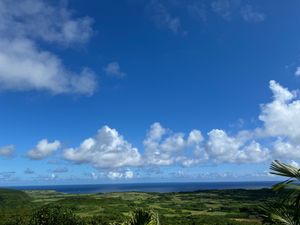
(43, 149)
(223, 148)
(113, 69)
(107, 149)
(163, 147)
(278, 137)
(249, 15)
(23, 24)
(7, 151)
(120, 175)
(286, 150)
(280, 129)
(281, 117)
(39, 70)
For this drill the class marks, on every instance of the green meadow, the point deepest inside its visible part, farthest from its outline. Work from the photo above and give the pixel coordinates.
(202, 207)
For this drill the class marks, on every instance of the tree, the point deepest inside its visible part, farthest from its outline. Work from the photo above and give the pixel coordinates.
(55, 215)
(142, 217)
(287, 209)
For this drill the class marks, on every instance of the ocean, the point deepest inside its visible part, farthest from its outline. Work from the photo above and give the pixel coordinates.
(149, 187)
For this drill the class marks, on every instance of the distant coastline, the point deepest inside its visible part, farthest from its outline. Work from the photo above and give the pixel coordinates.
(148, 187)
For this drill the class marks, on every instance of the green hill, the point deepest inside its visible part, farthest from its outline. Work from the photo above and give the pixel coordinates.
(13, 199)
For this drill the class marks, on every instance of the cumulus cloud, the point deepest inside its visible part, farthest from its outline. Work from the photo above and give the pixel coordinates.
(7, 151)
(277, 137)
(107, 149)
(249, 15)
(163, 147)
(39, 70)
(281, 116)
(286, 150)
(23, 24)
(162, 17)
(223, 148)
(113, 69)
(43, 149)
(113, 175)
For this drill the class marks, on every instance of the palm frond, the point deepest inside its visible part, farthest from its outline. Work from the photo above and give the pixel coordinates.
(287, 210)
(285, 170)
(143, 217)
(277, 213)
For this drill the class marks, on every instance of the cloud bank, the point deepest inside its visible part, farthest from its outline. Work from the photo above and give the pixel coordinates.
(278, 136)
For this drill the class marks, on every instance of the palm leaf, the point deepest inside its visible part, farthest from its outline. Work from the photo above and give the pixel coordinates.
(285, 170)
(143, 217)
(288, 210)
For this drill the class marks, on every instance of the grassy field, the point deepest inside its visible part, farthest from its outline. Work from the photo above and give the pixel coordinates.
(203, 207)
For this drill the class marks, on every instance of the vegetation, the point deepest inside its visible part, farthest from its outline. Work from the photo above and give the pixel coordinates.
(224, 207)
(286, 210)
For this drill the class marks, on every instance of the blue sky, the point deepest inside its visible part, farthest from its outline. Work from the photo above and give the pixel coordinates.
(146, 91)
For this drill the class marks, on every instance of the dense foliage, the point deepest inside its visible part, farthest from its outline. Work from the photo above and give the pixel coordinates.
(221, 207)
(285, 210)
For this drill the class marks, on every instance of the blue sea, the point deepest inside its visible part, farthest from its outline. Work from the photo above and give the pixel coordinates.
(149, 187)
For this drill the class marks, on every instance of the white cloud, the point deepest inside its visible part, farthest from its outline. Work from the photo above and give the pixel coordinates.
(297, 72)
(281, 117)
(94, 175)
(278, 137)
(107, 149)
(43, 149)
(163, 147)
(163, 18)
(39, 70)
(294, 163)
(195, 137)
(128, 174)
(285, 150)
(249, 15)
(23, 24)
(113, 69)
(53, 176)
(7, 151)
(222, 148)
(113, 175)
